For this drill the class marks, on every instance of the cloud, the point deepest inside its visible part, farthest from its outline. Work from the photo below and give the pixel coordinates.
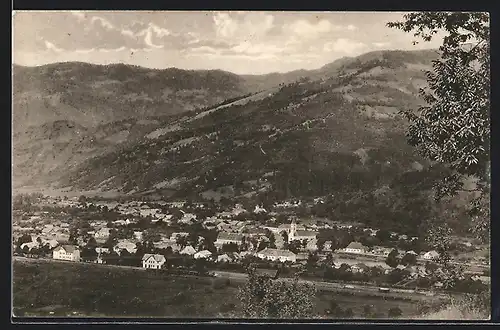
(244, 25)
(52, 47)
(225, 26)
(81, 16)
(381, 44)
(119, 49)
(343, 45)
(304, 28)
(104, 22)
(257, 48)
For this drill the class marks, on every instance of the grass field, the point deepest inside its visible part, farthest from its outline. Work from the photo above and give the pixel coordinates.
(63, 288)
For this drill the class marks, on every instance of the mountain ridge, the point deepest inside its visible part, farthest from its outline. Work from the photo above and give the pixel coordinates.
(41, 144)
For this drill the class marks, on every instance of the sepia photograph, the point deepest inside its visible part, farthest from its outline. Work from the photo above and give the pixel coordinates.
(265, 165)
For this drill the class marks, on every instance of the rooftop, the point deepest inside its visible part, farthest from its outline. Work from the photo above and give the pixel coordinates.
(277, 253)
(156, 257)
(355, 245)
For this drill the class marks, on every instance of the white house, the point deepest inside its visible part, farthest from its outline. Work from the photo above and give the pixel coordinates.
(102, 233)
(189, 250)
(259, 209)
(153, 261)
(66, 252)
(224, 258)
(430, 255)
(202, 254)
(138, 235)
(125, 245)
(52, 243)
(30, 245)
(228, 238)
(354, 247)
(277, 255)
(100, 250)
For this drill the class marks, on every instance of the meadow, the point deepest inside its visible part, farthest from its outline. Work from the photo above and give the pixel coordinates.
(61, 289)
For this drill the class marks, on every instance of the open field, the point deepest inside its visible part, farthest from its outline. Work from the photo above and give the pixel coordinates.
(41, 287)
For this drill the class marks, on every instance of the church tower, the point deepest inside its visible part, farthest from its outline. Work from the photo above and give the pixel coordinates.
(293, 231)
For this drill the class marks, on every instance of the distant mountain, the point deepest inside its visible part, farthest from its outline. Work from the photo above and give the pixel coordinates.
(94, 94)
(120, 124)
(334, 133)
(344, 122)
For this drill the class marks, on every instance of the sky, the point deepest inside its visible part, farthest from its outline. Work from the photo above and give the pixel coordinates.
(239, 42)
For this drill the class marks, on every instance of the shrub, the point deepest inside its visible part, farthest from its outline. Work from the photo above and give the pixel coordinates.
(395, 312)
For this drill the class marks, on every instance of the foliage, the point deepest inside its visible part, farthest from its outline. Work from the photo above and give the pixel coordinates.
(454, 127)
(262, 297)
(395, 312)
(392, 259)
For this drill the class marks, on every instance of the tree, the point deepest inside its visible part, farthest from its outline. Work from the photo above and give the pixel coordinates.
(409, 259)
(262, 297)
(295, 246)
(367, 310)
(182, 241)
(453, 128)
(392, 259)
(284, 234)
(395, 312)
(383, 235)
(272, 242)
(25, 238)
(312, 260)
(348, 313)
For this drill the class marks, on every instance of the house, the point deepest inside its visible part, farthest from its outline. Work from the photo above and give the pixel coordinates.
(138, 235)
(202, 254)
(259, 209)
(359, 268)
(287, 226)
(312, 244)
(174, 236)
(61, 237)
(224, 258)
(188, 218)
(100, 250)
(327, 247)
(228, 238)
(189, 250)
(277, 255)
(153, 261)
(102, 233)
(302, 256)
(271, 273)
(125, 245)
(238, 209)
(52, 243)
(29, 245)
(355, 247)
(66, 252)
(431, 255)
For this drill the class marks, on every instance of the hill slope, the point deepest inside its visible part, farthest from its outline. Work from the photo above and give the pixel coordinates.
(94, 94)
(343, 113)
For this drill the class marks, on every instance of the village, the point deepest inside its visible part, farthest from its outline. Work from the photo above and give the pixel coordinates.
(202, 237)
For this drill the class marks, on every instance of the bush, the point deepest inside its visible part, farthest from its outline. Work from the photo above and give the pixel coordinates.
(395, 312)
(227, 307)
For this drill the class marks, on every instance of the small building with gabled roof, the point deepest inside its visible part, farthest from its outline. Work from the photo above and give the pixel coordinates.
(66, 252)
(153, 261)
